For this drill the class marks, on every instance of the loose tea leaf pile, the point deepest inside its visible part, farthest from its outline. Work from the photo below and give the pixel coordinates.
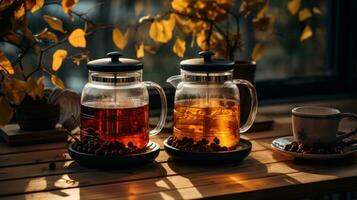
(315, 149)
(93, 144)
(203, 145)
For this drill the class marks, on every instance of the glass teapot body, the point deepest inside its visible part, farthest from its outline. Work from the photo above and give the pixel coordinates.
(117, 111)
(207, 108)
(115, 105)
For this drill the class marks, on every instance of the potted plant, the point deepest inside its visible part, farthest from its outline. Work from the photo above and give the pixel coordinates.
(23, 82)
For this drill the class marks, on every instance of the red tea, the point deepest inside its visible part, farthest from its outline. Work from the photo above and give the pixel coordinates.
(123, 125)
(199, 119)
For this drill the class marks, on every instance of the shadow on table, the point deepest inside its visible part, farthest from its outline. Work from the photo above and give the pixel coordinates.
(195, 181)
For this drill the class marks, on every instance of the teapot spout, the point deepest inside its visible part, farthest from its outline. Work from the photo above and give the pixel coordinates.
(174, 80)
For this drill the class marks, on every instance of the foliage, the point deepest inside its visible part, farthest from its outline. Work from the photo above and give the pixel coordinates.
(18, 80)
(207, 24)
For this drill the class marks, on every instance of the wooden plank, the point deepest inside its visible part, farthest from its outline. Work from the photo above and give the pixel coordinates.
(13, 135)
(49, 155)
(105, 177)
(7, 149)
(207, 184)
(42, 169)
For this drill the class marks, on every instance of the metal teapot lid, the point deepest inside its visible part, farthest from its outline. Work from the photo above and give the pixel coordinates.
(114, 63)
(206, 64)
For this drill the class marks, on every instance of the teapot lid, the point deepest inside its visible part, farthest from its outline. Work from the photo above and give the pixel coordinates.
(206, 64)
(114, 63)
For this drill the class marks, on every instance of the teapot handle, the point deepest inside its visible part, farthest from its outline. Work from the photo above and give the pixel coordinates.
(163, 114)
(253, 105)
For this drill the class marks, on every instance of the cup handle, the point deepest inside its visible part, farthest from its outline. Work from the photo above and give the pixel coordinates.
(346, 135)
(253, 105)
(163, 114)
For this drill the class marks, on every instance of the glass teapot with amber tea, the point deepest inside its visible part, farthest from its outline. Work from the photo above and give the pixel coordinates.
(115, 102)
(207, 105)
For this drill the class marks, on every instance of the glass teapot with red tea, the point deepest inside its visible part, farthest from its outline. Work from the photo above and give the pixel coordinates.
(207, 105)
(115, 102)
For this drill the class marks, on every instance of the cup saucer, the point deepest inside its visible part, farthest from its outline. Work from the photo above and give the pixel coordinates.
(280, 143)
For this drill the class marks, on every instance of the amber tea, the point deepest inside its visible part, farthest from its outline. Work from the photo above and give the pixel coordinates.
(209, 119)
(122, 125)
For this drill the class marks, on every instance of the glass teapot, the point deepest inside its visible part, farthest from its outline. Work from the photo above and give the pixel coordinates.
(115, 101)
(207, 102)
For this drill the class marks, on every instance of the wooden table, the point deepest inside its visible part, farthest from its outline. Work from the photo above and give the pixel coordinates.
(25, 173)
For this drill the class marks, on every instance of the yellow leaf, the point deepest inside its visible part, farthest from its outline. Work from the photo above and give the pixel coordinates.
(5, 4)
(77, 38)
(140, 50)
(5, 64)
(201, 40)
(161, 30)
(34, 5)
(180, 5)
(316, 10)
(304, 14)
(67, 6)
(58, 58)
(263, 11)
(20, 12)
(15, 90)
(6, 111)
(293, 6)
(35, 88)
(12, 37)
(54, 23)
(258, 52)
(306, 33)
(179, 47)
(119, 39)
(57, 82)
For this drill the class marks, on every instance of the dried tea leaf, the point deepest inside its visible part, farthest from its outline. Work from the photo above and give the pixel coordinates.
(57, 81)
(316, 10)
(54, 23)
(35, 88)
(258, 52)
(6, 111)
(119, 39)
(5, 64)
(293, 6)
(306, 33)
(34, 5)
(304, 14)
(67, 6)
(77, 38)
(58, 57)
(179, 47)
(140, 50)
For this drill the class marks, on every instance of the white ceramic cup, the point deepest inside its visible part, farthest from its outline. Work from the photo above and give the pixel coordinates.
(314, 125)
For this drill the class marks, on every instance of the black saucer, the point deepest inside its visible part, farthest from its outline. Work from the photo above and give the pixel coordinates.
(232, 156)
(152, 150)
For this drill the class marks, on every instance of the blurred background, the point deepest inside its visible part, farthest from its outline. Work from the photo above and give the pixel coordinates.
(322, 64)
